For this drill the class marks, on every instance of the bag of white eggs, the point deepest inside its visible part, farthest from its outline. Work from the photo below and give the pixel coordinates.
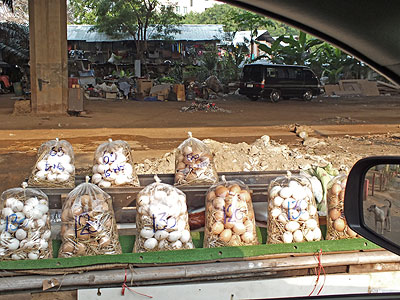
(292, 211)
(88, 223)
(54, 166)
(162, 220)
(337, 227)
(194, 163)
(25, 231)
(230, 217)
(113, 165)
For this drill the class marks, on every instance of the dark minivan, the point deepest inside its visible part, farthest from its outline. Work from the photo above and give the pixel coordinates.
(278, 81)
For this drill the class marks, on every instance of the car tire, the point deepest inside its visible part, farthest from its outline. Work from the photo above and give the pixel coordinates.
(307, 95)
(275, 96)
(253, 98)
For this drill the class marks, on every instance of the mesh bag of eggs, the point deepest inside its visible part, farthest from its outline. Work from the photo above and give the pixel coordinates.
(113, 165)
(337, 227)
(229, 215)
(25, 225)
(54, 166)
(194, 163)
(162, 219)
(292, 212)
(88, 223)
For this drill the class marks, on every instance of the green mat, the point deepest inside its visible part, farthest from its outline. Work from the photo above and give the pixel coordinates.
(184, 256)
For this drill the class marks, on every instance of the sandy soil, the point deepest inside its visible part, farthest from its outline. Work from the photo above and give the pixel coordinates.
(340, 130)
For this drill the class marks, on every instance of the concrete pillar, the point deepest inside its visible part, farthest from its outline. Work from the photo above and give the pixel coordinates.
(48, 56)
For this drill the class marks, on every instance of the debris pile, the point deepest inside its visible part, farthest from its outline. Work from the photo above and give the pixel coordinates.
(202, 105)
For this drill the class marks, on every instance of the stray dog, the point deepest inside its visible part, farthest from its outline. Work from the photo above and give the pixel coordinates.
(382, 215)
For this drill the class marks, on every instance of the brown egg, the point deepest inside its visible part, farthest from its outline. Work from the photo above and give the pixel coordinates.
(217, 228)
(229, 225)
(69, 233)
(244, 196)
(219, 216)
(66, 215)
(230, 210)
(333, 201)
(229, 199)
(85, 200)
(68, 247)
(104, 207)
(234, 189)
(219, 203)
(334, 214)
(77, 210)
(80, 249)
(249, 226)
(210, 196)
(239, 228)
(179, 177)
(191, 177)
(180, 166)
(105, 241)
(350, 232)
(100, 197)
(336, 188)
(83, 235)
(180, 158)
(339, 225)
(221, 191)
(108, 224)
(235, 240)
(187, 160)
(225, 235)
(187, 150)
(343, 184)
(341, 195)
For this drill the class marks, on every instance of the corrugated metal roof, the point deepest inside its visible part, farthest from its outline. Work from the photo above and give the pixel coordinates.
(187, 33)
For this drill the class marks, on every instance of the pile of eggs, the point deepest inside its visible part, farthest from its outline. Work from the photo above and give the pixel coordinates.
(229, 217)
(337, 225)
(194, 165)
(88, 226)
(54, 167)
(162, 219)
(112, 168)
(24, 229)
(292, 214)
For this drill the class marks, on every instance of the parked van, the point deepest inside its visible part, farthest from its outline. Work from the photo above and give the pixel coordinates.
(273, 81)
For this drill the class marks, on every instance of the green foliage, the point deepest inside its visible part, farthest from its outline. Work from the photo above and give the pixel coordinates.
(83, 11)
(168, 79)
(230, 63)
(14, 42)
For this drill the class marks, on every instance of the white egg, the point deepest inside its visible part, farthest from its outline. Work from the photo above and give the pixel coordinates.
(51, 177)
(13, 244)
(160, 196)
(44, 202)
(286, 192)
(41, 165)
(42, 208)
(275, 212)
(128, 170)
(287, 237)
(69, 168)
(18, 256)
(292, 226)
(308, 192)
(289, 203)
(94, 169)
(299, 193)
(294, 184)
(63, 177)
(181, 224)
(41, 175)
(183, 208)
(302, 204)
(102, 168)
(12, 227)
(163, 244)
(27, 223)
(7, 211)
(278, 201)
(10, 202)
(174, 236)
(43, 244)
(189, 245)
(104, 184)
(120, 158)
(27, 210)
(150, 244)
(185, 236)
(312, 210)
(120, 179)
(111, 176)
(283, 219)
(172, 223)
(309, 235)
(65, 159)
(143, 200)
(33, 255)
(115, 167)
(311, 224)
(177, 245)
(147, 233)
(20, 234)
(298, 236)
(108, 158)
(46, 235)
(317, 234)
(304, 216)
(36, 214)
(20, 216)
(32, 201)
(274, 191)
(2, 251)
(53, 161)
(5, 237)
(29, 244)
(45, 217)
(96, 178)
(161, 235)
(144, 210)
(2, 225)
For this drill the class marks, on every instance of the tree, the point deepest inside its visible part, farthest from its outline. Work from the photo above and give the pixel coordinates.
(82, 11)
(139, 19)
(14, 43)
(18, 14)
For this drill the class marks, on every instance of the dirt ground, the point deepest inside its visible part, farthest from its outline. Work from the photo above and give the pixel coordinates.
(339, 130)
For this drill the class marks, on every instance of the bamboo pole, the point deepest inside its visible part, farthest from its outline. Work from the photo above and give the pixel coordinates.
(173, 274)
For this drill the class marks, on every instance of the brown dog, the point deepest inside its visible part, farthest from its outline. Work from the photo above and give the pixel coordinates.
(382, 215)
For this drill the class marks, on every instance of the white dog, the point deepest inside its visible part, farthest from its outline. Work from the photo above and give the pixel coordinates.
(382, 215)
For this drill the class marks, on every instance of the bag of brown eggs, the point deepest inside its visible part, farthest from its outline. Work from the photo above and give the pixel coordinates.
(229, 215)
(25, 225)
(194, 163)
(337, 227)
(54, 166)
(162, 219)
(113, 165)
(292, 211)
(88, 223)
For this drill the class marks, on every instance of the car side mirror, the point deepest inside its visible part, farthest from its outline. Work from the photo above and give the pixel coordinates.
(372, 200)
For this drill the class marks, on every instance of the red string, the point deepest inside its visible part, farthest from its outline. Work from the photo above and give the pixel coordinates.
(124, 286)
(318, 273)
